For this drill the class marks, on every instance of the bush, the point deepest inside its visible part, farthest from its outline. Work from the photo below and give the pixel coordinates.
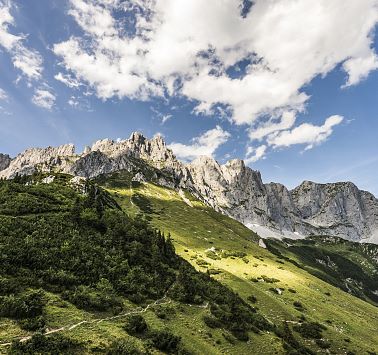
(311, 330)
(298, 305)
(202, 262)
(323, 343)
(164, 312)
(231, 339)
(212, 322)
(125, 347)
(233, 254)
(270, 280)
(27, 305)
(53, 344)
(90, 299)
(8, 286)
(212, 255)
(136, 325)
(291, 344)
(165, 340)
(214, 271)
(33, 324)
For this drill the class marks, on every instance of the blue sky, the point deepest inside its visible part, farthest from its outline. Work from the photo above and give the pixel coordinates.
(297, 100)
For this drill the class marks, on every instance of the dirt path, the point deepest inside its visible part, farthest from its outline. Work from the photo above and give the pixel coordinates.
(160, 302)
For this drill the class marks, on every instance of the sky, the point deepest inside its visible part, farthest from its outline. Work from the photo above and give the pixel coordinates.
(290, 86)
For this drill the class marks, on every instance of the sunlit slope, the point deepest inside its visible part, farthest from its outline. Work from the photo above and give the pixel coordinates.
(351, 266)
(74, 269)
(229, 251)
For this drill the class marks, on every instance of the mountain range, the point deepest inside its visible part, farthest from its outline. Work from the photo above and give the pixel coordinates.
(333, 209)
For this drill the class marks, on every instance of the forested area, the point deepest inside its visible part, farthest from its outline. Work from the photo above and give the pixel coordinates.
(82, 247)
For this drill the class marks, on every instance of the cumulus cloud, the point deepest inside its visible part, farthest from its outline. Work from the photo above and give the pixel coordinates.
(359, 68)
(179, 47)
(255, 154)
(251, 64)
(44, 98)
(286, 121)
(305, 133)
(27, 60)
(206, 144)
(67, 80)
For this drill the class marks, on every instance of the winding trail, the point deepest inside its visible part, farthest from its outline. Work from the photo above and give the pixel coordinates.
(160, 302)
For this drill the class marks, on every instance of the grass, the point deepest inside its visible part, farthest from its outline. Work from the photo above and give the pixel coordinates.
(195, 230)
(229, 251)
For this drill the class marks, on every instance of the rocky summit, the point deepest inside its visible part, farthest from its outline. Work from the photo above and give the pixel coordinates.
(336, 209)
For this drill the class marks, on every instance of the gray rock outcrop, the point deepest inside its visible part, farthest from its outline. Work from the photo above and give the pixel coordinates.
(337, 209)
(5, 160)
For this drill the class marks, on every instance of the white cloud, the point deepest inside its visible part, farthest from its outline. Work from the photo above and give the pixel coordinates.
(3, 94)
(359, 68)
(27, 60)
(306, 133)
(165, 118)
(73, 102)
(286, 121)
(206, 144)
(44, 98)
(163, 55)
(255, 154)
(67, 80)
(79, 103)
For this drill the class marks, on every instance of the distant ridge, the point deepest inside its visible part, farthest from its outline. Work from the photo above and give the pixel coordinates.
(336, 209)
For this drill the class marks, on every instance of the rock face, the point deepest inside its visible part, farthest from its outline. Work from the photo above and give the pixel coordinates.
(5, 160)
(338, 209)
(45, 159)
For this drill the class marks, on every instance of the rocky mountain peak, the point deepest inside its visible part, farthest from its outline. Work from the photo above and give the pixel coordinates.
(336, 209)
(137, 138)
(27, 161)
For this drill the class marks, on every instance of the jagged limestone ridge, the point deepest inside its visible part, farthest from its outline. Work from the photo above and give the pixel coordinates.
(339, 209)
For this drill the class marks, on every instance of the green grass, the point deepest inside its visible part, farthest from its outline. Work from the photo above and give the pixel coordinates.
(40, 252)
(229, 251)
(195, 229)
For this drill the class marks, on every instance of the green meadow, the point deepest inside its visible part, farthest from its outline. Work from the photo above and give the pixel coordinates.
(214, 243)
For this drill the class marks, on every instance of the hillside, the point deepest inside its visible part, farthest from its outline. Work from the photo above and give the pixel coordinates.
(284, 291)
(81, 275)
(353, 267)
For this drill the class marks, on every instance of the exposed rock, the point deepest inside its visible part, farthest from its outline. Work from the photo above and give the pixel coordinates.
(262, 243)
(338, 209)
(139, 177)
(44, 159)
(5, 160)
(48, 179)
(78, 183)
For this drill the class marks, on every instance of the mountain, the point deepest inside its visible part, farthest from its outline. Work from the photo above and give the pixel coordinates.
(119, 266)
(310, 272)
(336, 209)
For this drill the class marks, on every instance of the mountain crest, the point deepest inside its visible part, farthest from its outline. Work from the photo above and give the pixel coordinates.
(337, 209)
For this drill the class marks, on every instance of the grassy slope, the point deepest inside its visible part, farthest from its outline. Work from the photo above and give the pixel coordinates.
(348, 265)
(187, 320)
(197, 228)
